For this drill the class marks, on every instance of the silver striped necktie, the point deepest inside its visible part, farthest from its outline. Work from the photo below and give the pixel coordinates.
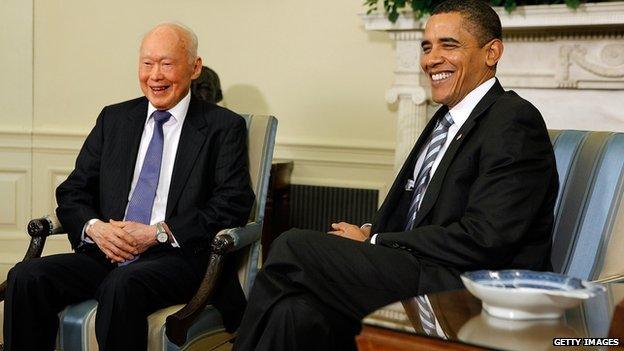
(437, 140)
(427, 317)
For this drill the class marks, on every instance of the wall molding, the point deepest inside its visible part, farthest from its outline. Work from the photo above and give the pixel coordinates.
(561, 16)
(12, 183)
(523, 17)
(319, 162)
(327, 152)
(46, 157)
(15, 140)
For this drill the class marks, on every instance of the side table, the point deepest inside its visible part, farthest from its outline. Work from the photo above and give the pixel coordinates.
(277, 210)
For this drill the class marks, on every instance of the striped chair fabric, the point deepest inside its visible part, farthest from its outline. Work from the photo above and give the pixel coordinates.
(588, 235)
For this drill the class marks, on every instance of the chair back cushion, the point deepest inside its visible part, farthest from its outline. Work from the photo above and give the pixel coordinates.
(588, 206)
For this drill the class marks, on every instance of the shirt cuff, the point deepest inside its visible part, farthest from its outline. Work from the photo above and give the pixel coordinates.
(175, 242)
(373, 239)
(172, 239)
(84, 237)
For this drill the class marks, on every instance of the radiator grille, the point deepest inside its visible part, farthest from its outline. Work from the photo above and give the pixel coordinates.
(316, 207)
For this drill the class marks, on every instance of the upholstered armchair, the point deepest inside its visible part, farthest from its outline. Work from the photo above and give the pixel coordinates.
(195, 325)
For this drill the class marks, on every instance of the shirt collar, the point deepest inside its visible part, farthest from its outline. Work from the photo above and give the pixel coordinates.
(463, 109)
(178, 112)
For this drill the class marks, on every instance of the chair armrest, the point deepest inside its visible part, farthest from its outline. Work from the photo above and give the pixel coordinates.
(225, 242)
(44, 226)
(38, 229)
(242, 236)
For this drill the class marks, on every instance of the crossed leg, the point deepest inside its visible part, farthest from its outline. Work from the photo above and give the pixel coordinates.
(315, 288)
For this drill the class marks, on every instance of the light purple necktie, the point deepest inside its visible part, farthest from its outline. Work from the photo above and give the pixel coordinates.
(142, 200)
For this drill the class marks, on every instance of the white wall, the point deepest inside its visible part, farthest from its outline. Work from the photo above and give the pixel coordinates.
(309, 63)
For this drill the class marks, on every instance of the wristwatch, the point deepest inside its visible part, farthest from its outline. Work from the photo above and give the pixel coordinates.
(161, 235)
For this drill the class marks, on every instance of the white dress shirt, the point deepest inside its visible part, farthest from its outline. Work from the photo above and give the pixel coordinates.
(460, 114)
(171, 137)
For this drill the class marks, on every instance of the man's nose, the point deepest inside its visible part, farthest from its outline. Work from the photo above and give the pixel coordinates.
(433, 57)
(155, 73)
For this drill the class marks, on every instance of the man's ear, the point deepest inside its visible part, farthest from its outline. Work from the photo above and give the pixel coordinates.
(494, 51)
(197, 67)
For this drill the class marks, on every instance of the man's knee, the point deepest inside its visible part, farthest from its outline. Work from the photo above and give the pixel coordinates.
(26, 272)
(286, 236)
(294, 238)
(297, 245)
(118, 287)
(299, 311)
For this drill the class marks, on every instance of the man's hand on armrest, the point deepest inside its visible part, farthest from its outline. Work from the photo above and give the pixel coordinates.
(350, 231)
(115, 243)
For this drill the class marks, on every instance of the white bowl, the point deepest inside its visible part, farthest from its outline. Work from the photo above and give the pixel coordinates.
(523, 294)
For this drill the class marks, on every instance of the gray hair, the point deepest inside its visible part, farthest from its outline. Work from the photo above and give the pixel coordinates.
(191, 37)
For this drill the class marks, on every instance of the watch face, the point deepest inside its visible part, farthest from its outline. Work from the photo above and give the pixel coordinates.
(162, 237)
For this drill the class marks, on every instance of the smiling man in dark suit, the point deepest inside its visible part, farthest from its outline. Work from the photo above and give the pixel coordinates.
(476, 192)
(155, 180)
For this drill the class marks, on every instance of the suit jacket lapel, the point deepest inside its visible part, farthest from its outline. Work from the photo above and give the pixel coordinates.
(192, 139)
(387, 209)
(129, 144)
(433, 189)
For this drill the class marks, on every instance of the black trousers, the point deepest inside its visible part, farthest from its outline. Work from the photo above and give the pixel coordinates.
(315, 288)
(38, 289)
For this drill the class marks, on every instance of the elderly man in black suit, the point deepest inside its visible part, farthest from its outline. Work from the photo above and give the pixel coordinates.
(476, 192)
(155, 180)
